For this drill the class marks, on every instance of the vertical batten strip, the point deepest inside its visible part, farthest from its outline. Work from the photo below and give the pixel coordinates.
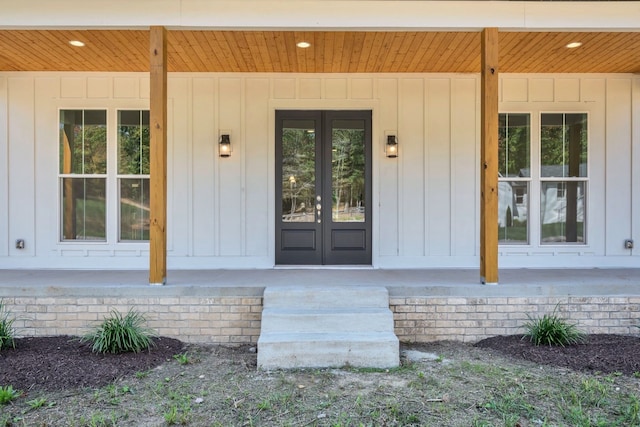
(489, 158)
(158, 157)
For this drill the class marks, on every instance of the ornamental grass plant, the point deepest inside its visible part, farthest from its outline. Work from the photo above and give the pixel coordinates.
(552, 330)
(7, 332)
(121, 334)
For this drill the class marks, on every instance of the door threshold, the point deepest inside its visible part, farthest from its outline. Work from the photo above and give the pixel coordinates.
(323, 267)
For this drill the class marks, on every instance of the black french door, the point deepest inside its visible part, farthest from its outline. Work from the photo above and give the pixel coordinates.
(323, 187)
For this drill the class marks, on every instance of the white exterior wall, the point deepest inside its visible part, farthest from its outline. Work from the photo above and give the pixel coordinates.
(221, 211)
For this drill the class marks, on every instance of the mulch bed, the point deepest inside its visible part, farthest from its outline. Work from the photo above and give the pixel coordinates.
(62, 362)
(598, 353)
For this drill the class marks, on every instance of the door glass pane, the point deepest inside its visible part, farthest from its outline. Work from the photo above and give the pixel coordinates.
(347, 171)
(562, 211)
(298, 170)
(134, 209)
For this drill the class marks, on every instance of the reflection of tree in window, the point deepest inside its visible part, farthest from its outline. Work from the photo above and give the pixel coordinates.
(348, 161)
(298, 170)
(133, 174)
(563, 158)
(514, 174)
(83, 166)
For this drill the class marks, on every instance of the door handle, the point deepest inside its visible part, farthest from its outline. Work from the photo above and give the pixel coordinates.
(318, 210)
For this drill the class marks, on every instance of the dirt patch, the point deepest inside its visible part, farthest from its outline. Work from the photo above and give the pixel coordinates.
(502, 381)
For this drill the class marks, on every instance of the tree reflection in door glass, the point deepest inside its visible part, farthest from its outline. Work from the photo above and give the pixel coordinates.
(298, 171)
(347, 164)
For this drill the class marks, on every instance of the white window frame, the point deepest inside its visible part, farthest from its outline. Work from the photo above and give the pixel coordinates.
(585, 179)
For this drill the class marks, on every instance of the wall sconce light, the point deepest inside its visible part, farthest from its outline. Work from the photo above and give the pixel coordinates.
(225, 145)
(391, 149)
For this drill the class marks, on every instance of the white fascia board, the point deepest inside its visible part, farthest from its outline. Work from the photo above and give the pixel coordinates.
(574, 16)
(322, 14)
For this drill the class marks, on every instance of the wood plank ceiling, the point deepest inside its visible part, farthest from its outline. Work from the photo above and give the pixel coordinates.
(330, 51)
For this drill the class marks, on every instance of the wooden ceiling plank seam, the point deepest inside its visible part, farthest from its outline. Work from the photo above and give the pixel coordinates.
(196, 53)
(339, 47)
(525, 51)
(356, 51)
(375, 51)
(242, 50)
(610, 52)
(471, 56)
(254, 51)
(308, 53)
(385, 54)
(228, 52)
(16, 50)
(281, 43)
(412, 51)
(347, 49)
(270, 64)
(407, 39)
(365, 53)
(395, 41)
(432, 55)
(318, 51)
(300, 53)
(206, 57)
(391, 63)
(214, 49)
(177, 52)
(448, 51)
(108, 48)
(290, 40)
(138, 47)
(328, 50)
(423, 52)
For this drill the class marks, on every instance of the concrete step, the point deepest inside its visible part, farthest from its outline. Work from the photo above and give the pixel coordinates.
(328, 326)
(326, 296)
(322, 350)
(353, 319)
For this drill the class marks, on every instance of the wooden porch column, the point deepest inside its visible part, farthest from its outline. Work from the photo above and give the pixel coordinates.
(489, 158)
(158, 157)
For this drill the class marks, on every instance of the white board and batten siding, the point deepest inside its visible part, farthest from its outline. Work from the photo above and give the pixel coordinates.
(221, 211)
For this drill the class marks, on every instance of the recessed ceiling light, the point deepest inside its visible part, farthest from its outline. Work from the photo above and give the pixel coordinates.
(76, 43)
(303, 45)
(573, 45)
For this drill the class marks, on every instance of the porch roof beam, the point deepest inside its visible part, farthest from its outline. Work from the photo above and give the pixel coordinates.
(158, 157)
(323, 15)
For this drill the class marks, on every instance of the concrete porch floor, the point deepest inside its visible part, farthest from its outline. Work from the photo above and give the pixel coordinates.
(405, 283)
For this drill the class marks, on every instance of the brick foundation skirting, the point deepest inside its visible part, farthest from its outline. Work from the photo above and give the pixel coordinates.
(236, 320)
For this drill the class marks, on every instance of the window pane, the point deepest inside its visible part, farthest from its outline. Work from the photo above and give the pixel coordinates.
(298, 170)
(347, 170)
(134, 209)
(133, 142)
(513, 206)
(562, 211)
(83, 208)
(563, 150)
(83, 142)
(514, 145)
